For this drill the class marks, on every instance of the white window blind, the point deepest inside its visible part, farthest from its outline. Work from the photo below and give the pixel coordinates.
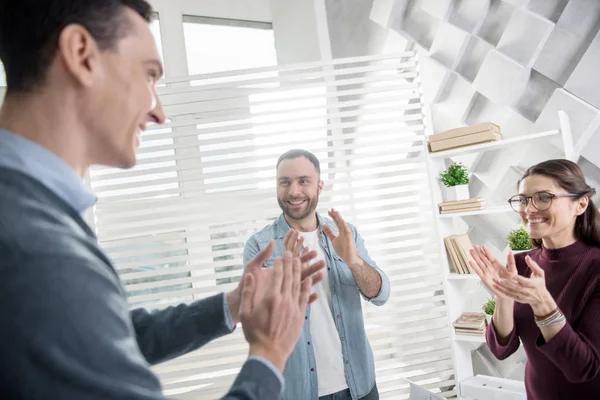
(175, 225)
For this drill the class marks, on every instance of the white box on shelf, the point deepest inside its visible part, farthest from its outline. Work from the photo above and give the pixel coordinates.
(481, 387)
(469, 14)
(437, 8)
(383, 11)
(456, 97)
(525, 36)
(517, 3)
(495, 21)
(436, 74)
(585, 80)
(454, 193)
(580, 17)
(590, 148)
(501, 79)
(513, 124)
(585, 119)
(421, 27)
(449, 45)
(551, 9)
(475, 52)
(395, 43)
(443, 122)
(535, 96)
(560, 55)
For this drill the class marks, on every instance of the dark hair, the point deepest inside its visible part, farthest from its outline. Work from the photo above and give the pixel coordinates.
(295, 153)
(30, 29)
(569, 176)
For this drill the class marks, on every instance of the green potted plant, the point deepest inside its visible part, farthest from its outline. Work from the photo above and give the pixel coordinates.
(518, 240)
(488, 308)
(456, 182)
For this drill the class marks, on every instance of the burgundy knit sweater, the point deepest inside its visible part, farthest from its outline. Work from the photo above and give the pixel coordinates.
(568, 366)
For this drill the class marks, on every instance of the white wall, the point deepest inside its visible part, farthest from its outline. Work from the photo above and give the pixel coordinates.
(297, 25)
(490, 60)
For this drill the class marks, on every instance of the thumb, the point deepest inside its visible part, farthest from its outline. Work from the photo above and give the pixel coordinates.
(257, 262)
(511, 264)
(329, 232)
(534, 267)
(247, 301)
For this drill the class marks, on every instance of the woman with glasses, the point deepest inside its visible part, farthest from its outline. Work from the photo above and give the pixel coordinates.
(548, 299)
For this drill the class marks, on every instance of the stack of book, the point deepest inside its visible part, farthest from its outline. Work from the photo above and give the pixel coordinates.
(459, 253)
(448, 207)
(470, 323)
(467, 136)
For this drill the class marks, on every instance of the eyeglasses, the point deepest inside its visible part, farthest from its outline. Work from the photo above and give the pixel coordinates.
(540, 200)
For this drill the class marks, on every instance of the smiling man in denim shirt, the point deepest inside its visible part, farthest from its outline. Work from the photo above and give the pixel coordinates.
(333, 359)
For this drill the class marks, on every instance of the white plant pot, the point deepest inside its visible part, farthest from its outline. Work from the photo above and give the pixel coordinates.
(459, 192)
(518, 251)
(488, 318)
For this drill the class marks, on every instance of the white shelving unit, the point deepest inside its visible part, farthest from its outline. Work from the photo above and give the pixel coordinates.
(465, 292)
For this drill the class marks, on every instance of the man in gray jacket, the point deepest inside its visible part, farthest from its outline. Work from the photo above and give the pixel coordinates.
(80, 89)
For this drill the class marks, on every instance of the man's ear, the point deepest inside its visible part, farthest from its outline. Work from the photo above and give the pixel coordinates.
(320, 187)
(79, 53)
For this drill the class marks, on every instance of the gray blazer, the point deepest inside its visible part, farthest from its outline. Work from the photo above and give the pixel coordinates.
(66, 331)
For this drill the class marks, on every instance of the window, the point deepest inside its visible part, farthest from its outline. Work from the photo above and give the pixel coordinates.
(215, 44)
(206, 182)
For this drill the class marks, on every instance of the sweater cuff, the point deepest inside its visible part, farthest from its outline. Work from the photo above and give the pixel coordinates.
(556, 346)
(500, 350)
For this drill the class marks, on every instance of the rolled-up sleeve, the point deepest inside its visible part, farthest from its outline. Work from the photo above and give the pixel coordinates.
(384, 292)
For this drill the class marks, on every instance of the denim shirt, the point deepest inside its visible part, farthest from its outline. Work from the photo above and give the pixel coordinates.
(301, 370)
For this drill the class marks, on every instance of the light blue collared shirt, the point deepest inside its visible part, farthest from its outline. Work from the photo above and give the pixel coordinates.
(29, 158)
(301, 372)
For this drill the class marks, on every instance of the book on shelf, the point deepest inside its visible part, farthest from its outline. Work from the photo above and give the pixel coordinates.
(470, 332)
(461, 137)
(470, 323)
(458, 248)
(449, 207)
(463, 131)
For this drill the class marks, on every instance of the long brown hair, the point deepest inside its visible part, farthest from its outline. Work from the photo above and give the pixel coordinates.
(569, 176)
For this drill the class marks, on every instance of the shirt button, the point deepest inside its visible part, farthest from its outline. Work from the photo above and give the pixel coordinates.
(339, 316)
(333, 292)
(347, 361)
(306, 317)
(309, 343)
(312, 370)
(328, 268)
(343, 339)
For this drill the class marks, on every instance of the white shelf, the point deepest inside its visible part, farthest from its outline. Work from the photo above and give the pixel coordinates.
(492, 145)
(467, 338)
(462, 277)
(485, 211)
(497, 166)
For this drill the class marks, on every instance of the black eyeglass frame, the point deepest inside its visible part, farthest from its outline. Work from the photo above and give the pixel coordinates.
(530, 198)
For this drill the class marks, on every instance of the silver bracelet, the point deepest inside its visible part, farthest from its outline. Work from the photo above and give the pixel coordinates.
(555, 319)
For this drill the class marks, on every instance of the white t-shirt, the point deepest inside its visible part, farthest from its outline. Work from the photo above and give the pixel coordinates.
(325, 337)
